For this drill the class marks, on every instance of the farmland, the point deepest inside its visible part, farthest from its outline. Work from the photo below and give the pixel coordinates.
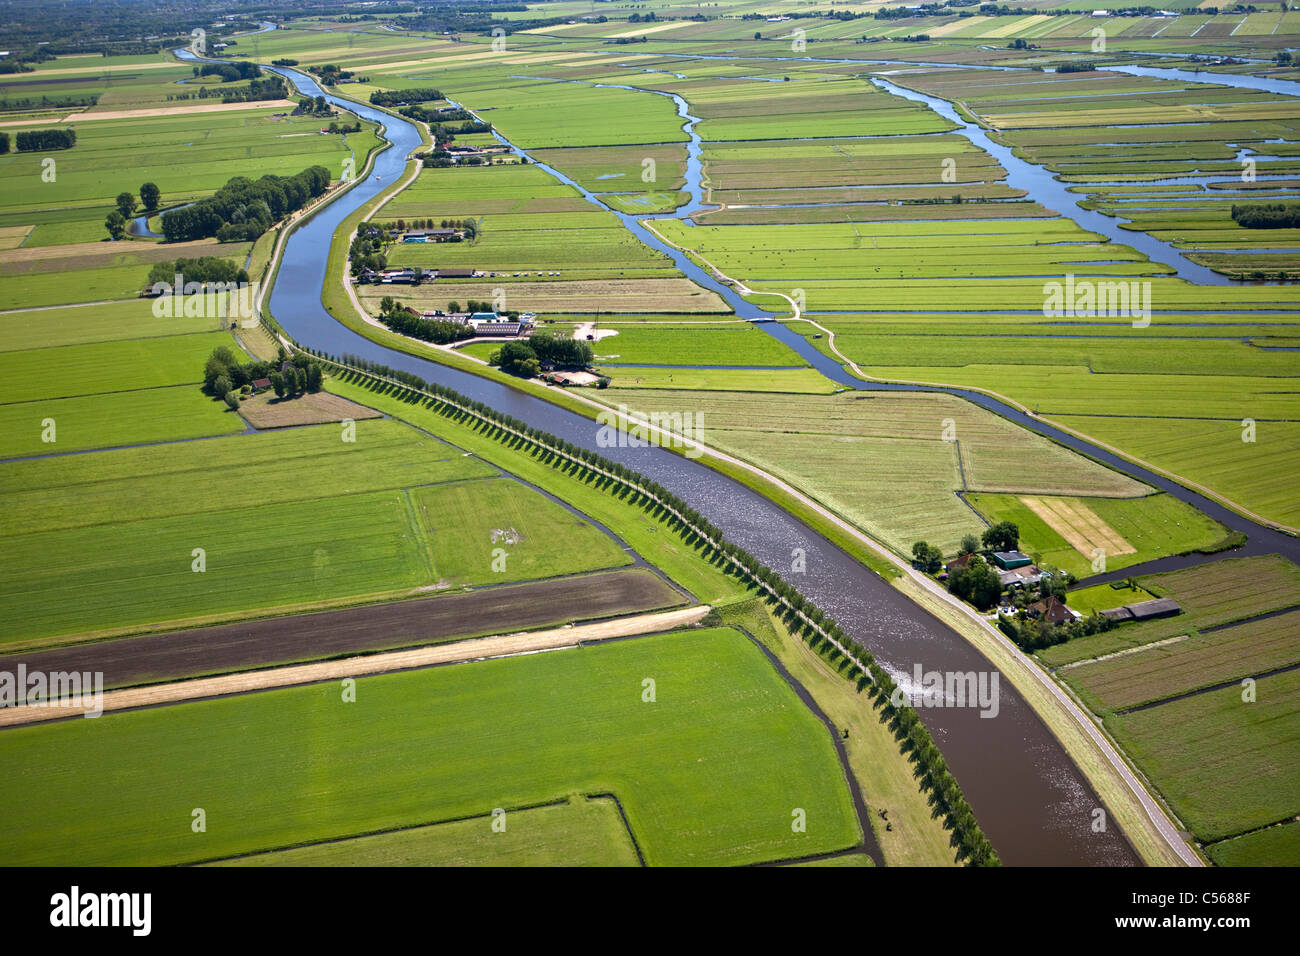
(368, 525)
(1224, 764)
(1198, 698)
(740, 759)
(849, 450)
(582, 831)
(161, 536)
(1152, 527)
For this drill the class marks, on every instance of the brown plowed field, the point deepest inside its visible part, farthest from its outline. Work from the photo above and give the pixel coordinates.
(356, 630)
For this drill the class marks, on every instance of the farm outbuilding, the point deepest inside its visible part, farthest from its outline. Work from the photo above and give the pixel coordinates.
(1007, 560)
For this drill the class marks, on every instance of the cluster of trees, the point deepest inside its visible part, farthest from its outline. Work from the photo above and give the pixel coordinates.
(1283, 58)
(1003, 536)
(4, 143)
(318, 106)
(1085, 67)
(330, 74)
(441, 159)
(205, 270)
(545, 347)
(224, 374)
(1020, 43)
(229, 72)
(639, 18)
(1034, 634)
(623, 41)
(116, 221)
(367, 250)
(517, 358)
(426, 115)
(1276, 215)
(421, 94)
(40, 140)
(268, 88)
(976, 582)
(405, 321)
(244, 208)
(805, 619)
(284, 61)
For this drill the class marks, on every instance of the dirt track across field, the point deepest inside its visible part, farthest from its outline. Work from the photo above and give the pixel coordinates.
(457, 652)
(246, 645)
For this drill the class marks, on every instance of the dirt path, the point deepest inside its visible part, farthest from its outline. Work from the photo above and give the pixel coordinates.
(481, 648)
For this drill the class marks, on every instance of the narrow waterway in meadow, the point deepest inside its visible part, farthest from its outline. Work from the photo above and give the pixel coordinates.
(1032, 801)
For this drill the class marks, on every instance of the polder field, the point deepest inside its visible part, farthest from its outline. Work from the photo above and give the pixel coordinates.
(851, 450)
(910, 255)
(1205, 701)
(708, 774)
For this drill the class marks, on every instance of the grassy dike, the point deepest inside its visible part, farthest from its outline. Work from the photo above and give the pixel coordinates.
(1121, 802)
(884, 774)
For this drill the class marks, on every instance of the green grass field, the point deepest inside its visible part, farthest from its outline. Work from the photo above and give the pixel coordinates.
(710, 773)
(1156, 526)
(1221, 592)
(882, 461)
(1276, 846)
(107, 543)
(579, 832)
(1224, 765)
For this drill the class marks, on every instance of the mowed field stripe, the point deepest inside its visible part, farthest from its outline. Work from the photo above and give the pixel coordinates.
(1079, 525)
(476, 649)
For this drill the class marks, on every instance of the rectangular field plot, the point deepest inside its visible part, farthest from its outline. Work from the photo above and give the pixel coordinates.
(76, 370)
(131, 319)
(113, 420)
(883, 461)
(578, 832)
(292, 520)
(1276, 846)
(707, 775)
(348, 631)
(162, 481)
(499, 530)
(1167, 670)
(1211, 595)
(1129, 530)
(1224, 765)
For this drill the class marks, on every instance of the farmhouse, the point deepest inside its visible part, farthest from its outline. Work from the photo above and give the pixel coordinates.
(431, 235)
(1020, 577)
(261, 384)
(1053, 610)
(958, 562)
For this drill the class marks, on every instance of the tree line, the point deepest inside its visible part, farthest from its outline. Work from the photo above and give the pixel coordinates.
(243, 208)
(1276, 215)
(40, 140)
(805, 620)
(405, 321)
(393, 97)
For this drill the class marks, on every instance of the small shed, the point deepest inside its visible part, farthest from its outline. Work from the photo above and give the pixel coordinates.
(261, 384)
